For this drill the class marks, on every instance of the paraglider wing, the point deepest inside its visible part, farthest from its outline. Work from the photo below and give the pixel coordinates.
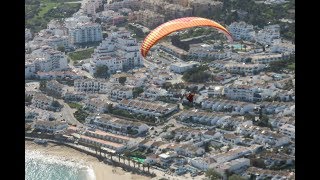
(175, 25)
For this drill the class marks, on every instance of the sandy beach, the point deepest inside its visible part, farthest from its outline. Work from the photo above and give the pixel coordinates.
(102, 171)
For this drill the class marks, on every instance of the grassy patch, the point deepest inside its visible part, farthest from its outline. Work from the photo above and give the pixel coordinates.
(46, 7)
(292, 66)
(79, 55)
(75, 105)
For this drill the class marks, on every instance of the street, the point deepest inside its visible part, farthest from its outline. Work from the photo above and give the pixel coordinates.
(67, 113)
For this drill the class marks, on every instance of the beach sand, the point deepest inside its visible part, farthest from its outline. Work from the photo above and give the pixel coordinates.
(102, 171)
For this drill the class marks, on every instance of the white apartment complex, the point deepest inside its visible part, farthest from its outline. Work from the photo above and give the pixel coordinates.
(82, 30)
(42, 101)
(45, 59)
(267, 58)
(267, 35)
(117, 126)
(288, 130)
(55, 87)
(119, 52)
(57, 41)
(91, 86)
(156, 109)
(147, 18)
(50, 126)
(242, 30)
(89, 7)
(242, 93)
(241, 68)
(131, 4)
(121, 92)
(181, 67)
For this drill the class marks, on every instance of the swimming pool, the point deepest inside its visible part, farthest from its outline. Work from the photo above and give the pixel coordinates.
(236, 46)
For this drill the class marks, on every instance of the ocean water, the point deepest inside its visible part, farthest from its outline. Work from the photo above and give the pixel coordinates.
(43, 167)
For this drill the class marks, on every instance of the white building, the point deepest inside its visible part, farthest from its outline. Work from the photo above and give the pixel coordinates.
(121, 92)
(57, 75)
(91, 6)
(267, 35)
(182, 67)
(231, 154)
(154, 93)
(267, 58)
(42, 101)
(55, 87)
(288, 130)
(241, 30)
(131, 4)
(81, 30)
(232, 166)
(147, 108)
(283, 47)
(91, 86)
(116, 125)
(29, 70)
(46, 59)
(57, 41)
(50, 126)
(96, 105)
(242, 68)
(119, 52)
(242, 93)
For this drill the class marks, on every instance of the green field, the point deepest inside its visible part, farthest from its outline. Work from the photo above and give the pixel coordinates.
(79, 55)
(39, 12)
(75, 105)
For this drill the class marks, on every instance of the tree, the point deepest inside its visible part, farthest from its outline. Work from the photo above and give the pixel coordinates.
(236, 177)
(61, 48)
(213, 175)
(167, 85)
(122, 80)
(258, 163)
(101, 72)
(137, 91)
(56, 104)
(98, 20)
(43, 85)
(28, 99)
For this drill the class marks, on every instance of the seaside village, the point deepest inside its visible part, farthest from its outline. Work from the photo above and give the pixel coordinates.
(132, 111)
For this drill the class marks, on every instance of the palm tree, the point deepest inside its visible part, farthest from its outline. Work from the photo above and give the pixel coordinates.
(245, 47)
(148, 165)
(134, 163)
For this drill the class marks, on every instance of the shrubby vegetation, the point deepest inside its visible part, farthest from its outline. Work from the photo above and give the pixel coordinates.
(197, 74)
(101, 72)
(81, 115)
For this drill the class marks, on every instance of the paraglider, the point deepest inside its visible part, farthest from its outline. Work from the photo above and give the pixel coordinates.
(175, 25)
(190, 97)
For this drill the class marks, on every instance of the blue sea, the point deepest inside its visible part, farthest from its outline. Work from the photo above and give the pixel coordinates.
(43, 167)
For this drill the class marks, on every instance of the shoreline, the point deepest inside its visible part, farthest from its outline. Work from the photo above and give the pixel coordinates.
(101, 170)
